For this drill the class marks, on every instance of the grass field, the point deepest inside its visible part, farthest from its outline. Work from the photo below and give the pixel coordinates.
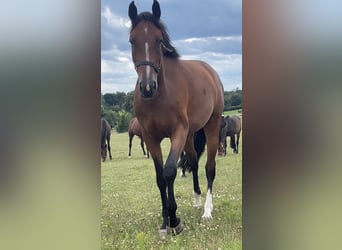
(131, 206)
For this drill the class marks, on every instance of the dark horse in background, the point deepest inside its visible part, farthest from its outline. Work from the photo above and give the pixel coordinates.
(135, 129)
(174, 99)
(230, 126)
(105, 136)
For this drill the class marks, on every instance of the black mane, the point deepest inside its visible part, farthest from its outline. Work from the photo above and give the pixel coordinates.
(171, 52)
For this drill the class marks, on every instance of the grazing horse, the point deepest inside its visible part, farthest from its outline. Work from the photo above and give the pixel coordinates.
(230, 126)
(174, 99)
(105, 136)
(135, 129)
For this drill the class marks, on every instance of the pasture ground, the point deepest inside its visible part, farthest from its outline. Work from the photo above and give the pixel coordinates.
(131, 206)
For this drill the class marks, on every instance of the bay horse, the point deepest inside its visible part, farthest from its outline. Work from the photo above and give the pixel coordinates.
(173, 99)
(135, 129)
(230, 126)
(105, 136)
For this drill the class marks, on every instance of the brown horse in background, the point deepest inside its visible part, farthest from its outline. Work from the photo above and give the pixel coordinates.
(174, 99)
(135, 129)
(105, 136)
(230, 126)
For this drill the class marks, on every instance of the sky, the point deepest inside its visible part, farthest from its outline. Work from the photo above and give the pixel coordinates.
(210, 31)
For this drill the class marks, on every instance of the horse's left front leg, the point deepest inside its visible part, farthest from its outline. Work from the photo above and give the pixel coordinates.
(110, 153)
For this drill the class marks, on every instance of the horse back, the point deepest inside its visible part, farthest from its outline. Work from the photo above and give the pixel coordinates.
(233, 125)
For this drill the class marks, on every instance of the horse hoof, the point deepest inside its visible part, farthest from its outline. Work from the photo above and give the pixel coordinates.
(177, 229)
(162, 234)
(207, 215)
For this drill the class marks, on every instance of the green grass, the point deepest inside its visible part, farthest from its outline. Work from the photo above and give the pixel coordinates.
(233, 112)
(131, 206)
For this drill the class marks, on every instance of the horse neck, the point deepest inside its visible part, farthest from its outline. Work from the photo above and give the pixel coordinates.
(168, 66)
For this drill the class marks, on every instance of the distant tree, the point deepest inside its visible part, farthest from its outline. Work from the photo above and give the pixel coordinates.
(227, 101)
(111, 116)
(128, 102)
(232, 99)
(235, 99)
(123, 121)
(109, 99)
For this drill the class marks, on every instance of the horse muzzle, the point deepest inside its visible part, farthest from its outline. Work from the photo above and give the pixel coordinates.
(148, 88)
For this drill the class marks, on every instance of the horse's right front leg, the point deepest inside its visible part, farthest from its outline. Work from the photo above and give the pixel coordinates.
(163, 195)
(130, 146)
(109, 150)
(155, 151)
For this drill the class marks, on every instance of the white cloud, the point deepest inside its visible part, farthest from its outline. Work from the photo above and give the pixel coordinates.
(115, 21)
(212, 38)
(228, 66)
(219, 44)
(115, 61)
(112, 87)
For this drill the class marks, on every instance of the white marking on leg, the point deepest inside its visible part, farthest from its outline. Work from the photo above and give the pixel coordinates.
(208, 205)
(197, 200)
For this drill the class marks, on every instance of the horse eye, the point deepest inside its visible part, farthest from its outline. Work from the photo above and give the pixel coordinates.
(131, 41)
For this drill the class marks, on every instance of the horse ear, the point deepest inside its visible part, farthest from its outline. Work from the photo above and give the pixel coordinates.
(132, 11)
(156, 9)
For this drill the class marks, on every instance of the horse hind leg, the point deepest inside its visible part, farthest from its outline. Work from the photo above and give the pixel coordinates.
(142, 146)
(181, 164)
(232, 143)
(237, 143)
(211, 131)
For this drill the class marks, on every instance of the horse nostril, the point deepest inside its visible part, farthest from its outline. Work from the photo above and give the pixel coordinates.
(154, 85)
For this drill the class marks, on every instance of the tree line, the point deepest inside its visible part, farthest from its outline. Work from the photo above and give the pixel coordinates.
(117, 108)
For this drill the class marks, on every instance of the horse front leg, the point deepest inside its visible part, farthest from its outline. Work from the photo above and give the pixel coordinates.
(109, 150)
(130, 145)
(156, 154)
(162, 189)
(170, 173)
(154, 148)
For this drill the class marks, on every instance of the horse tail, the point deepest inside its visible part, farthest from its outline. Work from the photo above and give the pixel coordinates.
(199, 142)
